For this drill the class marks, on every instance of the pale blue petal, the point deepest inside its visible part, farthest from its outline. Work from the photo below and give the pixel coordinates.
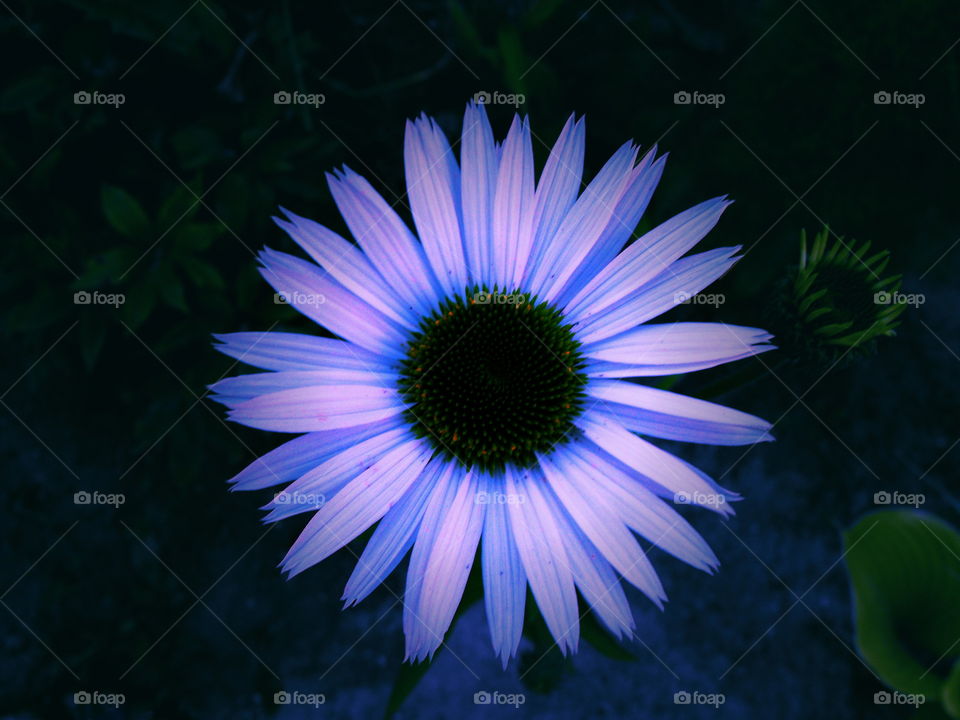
(478, 159)
(386, 241)
(594, 576)
(597, 516)
(433, 186)
(292, 351)
(648, 257)
(358, 505)
(504, 581)
(325, 407)
(295, 457)
(643, 181)
(581, 229)
(640, 508)
(393, 537)
(669, 415)
(329, 304)
(684, 279)
(513, 206)
(240, 388)
(541, 548)
(672, 474)
(448, 482)
(318, 485)
(671, 348)
(558, 186)
(347, 265)
(449, 563)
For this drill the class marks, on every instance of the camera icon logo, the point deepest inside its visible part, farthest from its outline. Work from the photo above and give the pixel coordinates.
(82, 297)
(282, 97)
(482, 98)
(481, 698)
(682, 97)
(881, 498)
(82, 97)
(882, 98)
(882, 298)
(682, 498)
(81, 498)
(882, 697)
(681, 698)
(81, 698)
(281, 698)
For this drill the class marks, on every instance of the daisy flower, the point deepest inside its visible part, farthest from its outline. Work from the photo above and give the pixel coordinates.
(476, 396)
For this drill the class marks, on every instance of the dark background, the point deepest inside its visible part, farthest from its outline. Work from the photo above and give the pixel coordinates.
(173, 598)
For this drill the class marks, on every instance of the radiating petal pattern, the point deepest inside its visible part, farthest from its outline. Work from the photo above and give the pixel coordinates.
(460, 423)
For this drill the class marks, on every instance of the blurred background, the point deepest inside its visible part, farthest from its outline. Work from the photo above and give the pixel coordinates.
(143, 150)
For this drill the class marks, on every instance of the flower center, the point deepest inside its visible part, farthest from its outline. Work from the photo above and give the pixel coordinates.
(493, 378)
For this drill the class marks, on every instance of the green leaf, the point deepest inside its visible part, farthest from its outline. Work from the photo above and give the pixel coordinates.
(93, 331)
(905, 573)
(123, 212)
(951, 692)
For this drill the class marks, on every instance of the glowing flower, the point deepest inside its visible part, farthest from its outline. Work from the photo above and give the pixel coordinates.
(474, 396)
